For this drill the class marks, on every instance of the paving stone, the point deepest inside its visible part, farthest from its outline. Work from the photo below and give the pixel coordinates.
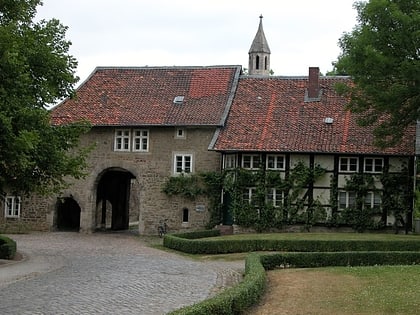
(105, 273)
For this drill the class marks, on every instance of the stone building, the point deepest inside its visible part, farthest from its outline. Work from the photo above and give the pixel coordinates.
(151, 123)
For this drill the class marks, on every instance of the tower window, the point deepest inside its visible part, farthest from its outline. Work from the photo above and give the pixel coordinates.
(265, 63)
(257, 62)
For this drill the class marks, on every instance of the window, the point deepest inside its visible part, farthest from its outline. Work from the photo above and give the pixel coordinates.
(180, 133)
(374, 165)
(12, 207)
(185, 215)
(122, 140)
(182, 163)
(248, 193)
(275, 162)
(141, 140)
(138, 143)
(275, 197)
(229, 161)
(349, 164)
(251, 162)
(373, 200)
(346, 199)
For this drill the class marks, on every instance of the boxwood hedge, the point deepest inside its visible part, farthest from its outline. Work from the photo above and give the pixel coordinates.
(233, 300)
(7, 248)
(195, 245)
(308, 253)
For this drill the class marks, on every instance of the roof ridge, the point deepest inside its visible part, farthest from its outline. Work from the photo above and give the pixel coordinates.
(163, 67)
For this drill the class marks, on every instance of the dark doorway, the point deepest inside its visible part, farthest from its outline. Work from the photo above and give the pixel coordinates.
(113, 197)
(68, 214)
(227, 214)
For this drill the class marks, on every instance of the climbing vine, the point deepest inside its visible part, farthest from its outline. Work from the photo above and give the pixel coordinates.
(187, 186)
(357, 215)
(260, 212)
(297, 205)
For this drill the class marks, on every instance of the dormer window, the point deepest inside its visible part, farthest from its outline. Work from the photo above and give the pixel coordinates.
(178, 100)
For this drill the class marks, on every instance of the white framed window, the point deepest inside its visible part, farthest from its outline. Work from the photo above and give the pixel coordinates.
(275, 197)
(374, 165)
(180, 133)
(373, 199)
(183, 163)
(275, 162)
(248, 193)
(122, 140)
(251, 161)
(346, 199)
(141, 140)
(349, 164)
(12, 207)
(229, 161)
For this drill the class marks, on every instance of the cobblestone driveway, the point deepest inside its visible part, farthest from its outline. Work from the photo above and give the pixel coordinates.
(112, 273)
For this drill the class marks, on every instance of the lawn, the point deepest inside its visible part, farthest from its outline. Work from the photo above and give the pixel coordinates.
(339, 290)
(342, 290)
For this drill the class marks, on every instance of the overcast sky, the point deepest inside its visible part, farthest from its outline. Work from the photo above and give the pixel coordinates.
(300, 33)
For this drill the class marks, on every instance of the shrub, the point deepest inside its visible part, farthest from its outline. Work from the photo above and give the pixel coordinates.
(234, 300)
(186, 243)
(7, 248)
(312, 260)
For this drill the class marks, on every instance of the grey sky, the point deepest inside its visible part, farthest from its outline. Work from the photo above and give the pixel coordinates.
(301, 33)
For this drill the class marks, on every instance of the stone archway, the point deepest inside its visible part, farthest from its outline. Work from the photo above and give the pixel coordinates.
(68, 214)
(112, 199)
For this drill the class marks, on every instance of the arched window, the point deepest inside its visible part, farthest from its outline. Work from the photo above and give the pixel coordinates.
(185, 215)
(257, 62)
(265, 63)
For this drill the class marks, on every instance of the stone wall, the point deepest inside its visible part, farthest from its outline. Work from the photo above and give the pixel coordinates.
(149, 170)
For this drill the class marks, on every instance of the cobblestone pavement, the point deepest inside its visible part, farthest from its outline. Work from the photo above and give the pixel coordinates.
(104, 273)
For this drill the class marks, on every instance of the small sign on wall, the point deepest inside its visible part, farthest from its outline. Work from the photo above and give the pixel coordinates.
(200, 208)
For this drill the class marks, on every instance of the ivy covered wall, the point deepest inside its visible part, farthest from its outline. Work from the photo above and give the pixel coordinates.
(330, 190)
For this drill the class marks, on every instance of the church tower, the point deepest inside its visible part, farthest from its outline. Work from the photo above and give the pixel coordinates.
(259, 54)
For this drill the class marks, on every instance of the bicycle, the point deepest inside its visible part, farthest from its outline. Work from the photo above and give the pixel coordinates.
(162, 228)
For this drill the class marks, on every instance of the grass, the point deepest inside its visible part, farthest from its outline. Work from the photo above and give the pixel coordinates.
(335, 290)
(342, 290)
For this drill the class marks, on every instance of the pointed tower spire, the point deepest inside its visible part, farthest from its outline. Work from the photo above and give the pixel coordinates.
(259, 53)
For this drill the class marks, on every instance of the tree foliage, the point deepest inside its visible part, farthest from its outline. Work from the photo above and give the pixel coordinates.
(35, 72)
(382, 55)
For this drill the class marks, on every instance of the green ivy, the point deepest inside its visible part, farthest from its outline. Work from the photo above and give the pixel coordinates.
(262, 215)
(357, 216)
(188, 186)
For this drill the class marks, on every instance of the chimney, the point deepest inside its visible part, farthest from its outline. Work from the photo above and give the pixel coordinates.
(313, 83)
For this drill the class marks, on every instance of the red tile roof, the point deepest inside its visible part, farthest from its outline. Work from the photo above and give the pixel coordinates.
(144, 96)
(270, 114)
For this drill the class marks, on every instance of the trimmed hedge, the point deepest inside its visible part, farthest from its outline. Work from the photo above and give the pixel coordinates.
(186, 243)
(308, 253)
(7, 248)
(233, 300)
(313, 260)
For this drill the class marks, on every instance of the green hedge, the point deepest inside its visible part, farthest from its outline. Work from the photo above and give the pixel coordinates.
(308, 253)
(7, 248)
(187, 243)
(312, 260)
(233, 300)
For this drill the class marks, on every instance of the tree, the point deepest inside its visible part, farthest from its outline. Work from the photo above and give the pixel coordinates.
(35, 72)
(382, 55)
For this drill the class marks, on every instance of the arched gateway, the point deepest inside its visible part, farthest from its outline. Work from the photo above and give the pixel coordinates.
(68, 214)
(113, 199)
